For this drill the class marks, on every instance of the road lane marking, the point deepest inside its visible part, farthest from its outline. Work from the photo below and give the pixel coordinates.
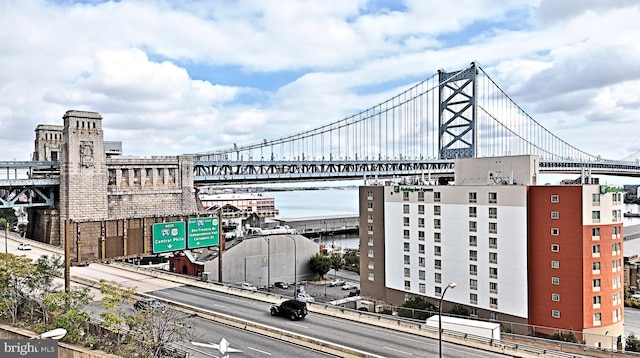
(259, 351)
(298, 325)
(399, 351)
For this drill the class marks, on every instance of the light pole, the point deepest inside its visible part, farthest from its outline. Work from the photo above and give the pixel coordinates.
(452, 285)
(295, 272)
(268, 265)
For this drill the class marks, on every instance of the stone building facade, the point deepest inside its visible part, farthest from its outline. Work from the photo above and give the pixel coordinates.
(107, 205)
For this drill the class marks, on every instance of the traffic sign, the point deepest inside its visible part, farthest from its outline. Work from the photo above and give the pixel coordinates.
(203, 232)
(169, 236)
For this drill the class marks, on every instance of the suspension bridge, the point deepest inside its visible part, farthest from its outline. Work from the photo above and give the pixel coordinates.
(417, 133)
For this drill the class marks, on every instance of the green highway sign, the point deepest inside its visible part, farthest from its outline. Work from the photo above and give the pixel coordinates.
(169, 236)
(203, 232)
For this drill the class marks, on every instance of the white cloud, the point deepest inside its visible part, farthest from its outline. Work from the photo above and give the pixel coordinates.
(172, 77)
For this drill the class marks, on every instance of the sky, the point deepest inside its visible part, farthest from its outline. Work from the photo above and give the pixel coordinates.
(176, 77)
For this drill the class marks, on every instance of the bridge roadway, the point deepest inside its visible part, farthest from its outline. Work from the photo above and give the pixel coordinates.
(366, 337)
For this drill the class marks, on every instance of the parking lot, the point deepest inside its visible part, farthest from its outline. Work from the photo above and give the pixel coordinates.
(320, 290)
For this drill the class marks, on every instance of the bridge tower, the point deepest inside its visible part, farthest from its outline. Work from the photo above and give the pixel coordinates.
(457, 116)
(83, 171)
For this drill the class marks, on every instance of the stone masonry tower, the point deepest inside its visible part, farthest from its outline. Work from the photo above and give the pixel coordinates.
(83, 171)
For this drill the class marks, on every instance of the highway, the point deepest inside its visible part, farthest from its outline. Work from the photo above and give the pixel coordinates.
(367, 338)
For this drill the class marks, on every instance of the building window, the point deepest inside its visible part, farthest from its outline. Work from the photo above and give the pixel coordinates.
(407, 259)
(422, 288)
(595, 199)
(494, 316)
(436, 196)
(473, 284)
(421, 196)
(437, 251)
(473, 298)
(597, 319)
(438, 291)
(405, 208)
(473, 226)
(555, 198)
(595, 216)
(493, 257)
(493, 228)
(370, 229)
(437, 277)
(493, 287)
(436, 237)
(407, 247)
(555, 248)
(555, 313)
(595, 250)
(405, 195)
(370, 218)
(473, 270)
(421, 261)
(493, 302)
(407, 234)
(493, 242)
(406, 221)
(437, 210)
(555, 264)
(437, 264)
(555, 280)
(493, 198)
(420, 235)
(473, 197)
(407, 272)
(370, 241)
(369, 206)
(473, 240)
(473, 255)
(595, 267)
(371, 265)
(555, 215)
(436, 223)
(555, 297)
(421, 274)
(369, 195)
(493, 272)
(370, 253)
(597, 301)
(371, 276)
(407, 285)
(473, 211)
(596, 284)
(493, 213)
(420, 222)
(555, 231)
(421, 248)
(474, 312)
(421, 209)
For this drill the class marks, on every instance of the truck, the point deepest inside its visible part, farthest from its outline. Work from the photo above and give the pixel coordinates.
(477, 328)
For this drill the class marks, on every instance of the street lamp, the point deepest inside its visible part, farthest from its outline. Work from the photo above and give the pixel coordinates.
(452, 285)
(295, 273)
(57, 333)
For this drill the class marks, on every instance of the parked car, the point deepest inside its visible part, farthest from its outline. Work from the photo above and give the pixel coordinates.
(337, 282)
(149, 303)
(305, 297)
(248, 286)
(24, 246)
(293, 309)
(350, 286)
(280, 284)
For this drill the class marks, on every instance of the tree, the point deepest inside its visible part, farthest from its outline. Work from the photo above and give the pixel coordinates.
(459, 310)
(632, 343)
(417, 307)
(352, 259)
(66, 308)
(151, 332)
(320, 264)
(114, 318)
(15, 272)
(565, 336)
(336, 262)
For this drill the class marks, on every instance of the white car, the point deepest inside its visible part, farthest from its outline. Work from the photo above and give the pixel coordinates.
(248, 286)
(24, 246)
(305, 297)
(349, 286)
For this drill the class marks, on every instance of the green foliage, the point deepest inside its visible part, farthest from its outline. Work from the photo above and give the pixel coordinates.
(632, 343)
(15, 275)
(337, 261)
(7, 215)
(459, 310)
(352, 259)
(114, 318)
(320, 264)
(66, 308)
(565, 337)
(416, 308)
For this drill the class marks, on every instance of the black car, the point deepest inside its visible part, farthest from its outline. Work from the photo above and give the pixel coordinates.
(281, 285)
(149, 303)
(293, 309)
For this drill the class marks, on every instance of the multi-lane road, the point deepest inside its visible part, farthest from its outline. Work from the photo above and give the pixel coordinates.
(378, 342)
